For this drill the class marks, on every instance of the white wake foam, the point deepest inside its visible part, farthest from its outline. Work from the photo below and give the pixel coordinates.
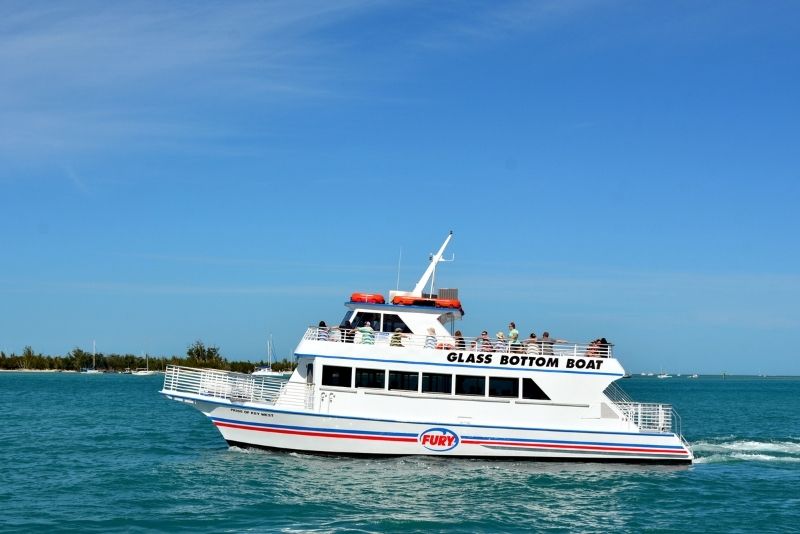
(746, 450)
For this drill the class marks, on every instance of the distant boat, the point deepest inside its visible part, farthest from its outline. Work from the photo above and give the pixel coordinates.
(626, 375)
(693, 376)
(649, 374)
(662, 374)
(266, 370)
(93, 370)
(144, 371)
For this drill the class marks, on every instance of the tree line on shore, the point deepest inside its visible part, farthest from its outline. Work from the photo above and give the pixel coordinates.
(197, 355)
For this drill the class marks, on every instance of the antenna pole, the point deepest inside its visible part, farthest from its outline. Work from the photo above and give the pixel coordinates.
(397, 287)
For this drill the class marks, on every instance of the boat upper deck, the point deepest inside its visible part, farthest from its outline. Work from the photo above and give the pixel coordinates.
(538, 347)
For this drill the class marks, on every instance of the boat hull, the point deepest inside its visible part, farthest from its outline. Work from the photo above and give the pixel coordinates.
(250, 426)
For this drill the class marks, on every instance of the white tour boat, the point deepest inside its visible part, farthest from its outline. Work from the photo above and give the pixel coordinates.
(408, 386)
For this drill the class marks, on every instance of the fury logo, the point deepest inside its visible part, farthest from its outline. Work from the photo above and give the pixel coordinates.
(438, 439)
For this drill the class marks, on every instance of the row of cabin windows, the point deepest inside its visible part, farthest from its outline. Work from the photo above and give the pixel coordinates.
(499, 386)
(381, 322)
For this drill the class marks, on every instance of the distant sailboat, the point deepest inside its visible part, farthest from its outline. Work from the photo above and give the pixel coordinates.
(266, 370)
(144, 371)
(662, 374)
(93, 370)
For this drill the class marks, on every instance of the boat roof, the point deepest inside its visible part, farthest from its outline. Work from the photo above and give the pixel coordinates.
(401, 308)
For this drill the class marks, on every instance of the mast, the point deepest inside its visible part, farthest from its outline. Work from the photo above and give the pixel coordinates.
(431, 270)
(269, 352)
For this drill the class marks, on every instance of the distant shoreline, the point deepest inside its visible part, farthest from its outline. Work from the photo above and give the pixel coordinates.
(46, 371)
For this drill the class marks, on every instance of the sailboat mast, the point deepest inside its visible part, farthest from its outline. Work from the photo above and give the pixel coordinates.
(269, 351)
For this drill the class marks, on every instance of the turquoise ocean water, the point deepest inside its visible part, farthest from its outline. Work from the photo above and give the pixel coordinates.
(108, 453)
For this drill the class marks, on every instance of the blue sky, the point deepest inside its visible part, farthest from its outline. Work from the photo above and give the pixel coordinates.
(222, 171)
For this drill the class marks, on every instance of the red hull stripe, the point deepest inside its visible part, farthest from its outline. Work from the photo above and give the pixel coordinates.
(315, 434)
(578, 447)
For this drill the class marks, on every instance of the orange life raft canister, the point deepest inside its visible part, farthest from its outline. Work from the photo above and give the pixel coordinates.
(421, 301)
(372, 298)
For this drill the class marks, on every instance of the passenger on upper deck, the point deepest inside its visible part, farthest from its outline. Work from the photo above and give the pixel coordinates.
(546, 343)
(604, 348)
(500, 344)
(335, 334)
(484, 343)
(347, 331)
(460, 345)
(430, 339)
(322, 331)
(397, 338)
(532, 344)
(367, 334)
(513, 338)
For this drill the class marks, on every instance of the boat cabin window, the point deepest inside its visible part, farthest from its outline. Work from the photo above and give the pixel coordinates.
(310, 373)
(392, 321)
(370, 378)
(362, 317)
(503, 387)
(531, 390)
(403, 381)
(470, 385)
(333, 375)
(437, 383)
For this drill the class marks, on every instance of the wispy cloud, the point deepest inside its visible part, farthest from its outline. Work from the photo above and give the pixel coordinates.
(468, 24)
(83, 75)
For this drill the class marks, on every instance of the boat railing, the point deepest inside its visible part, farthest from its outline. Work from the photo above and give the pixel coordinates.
(236, 387)
(478, 344)
(647, 417)
(651, 417)
(617, 395)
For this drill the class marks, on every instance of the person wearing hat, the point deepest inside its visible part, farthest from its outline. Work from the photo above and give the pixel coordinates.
(483, 342)
(500, 344)
(430, 339)
(397, 338)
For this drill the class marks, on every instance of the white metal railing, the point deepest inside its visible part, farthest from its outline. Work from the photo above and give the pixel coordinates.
(647, 416)
(482, 344)
(237, 387)
(651, 417)
(616, 394)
